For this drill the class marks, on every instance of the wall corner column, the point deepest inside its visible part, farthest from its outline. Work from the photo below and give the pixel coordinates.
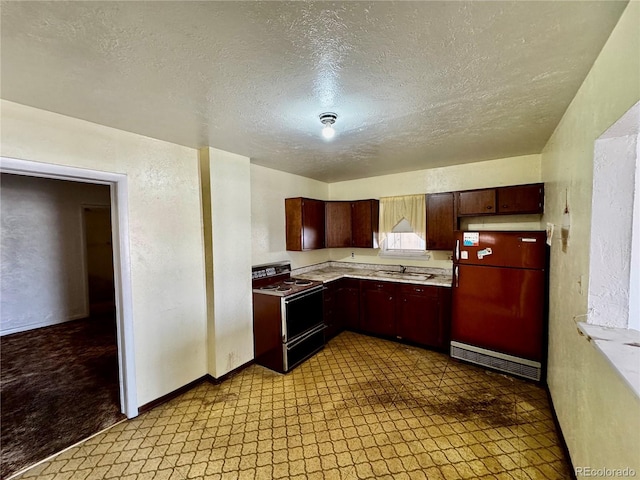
(226, 207)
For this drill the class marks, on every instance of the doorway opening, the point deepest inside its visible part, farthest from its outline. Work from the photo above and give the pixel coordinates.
(98, 259)
(102, 336)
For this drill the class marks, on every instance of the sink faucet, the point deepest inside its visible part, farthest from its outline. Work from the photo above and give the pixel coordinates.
(403, 268)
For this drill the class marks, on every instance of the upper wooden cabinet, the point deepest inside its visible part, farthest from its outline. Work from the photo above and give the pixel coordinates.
(338, 224)
(364, 223)
(441, 221)
(313, 224)
(352, 224)
(476, 202)
(305, 223)
(521, 199)
(512, 200)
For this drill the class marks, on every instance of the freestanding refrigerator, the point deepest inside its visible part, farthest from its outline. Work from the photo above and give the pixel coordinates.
(499, 300)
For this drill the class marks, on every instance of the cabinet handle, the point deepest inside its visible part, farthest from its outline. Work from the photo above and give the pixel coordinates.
(457, 249)
(489, 207)
(390, 298)
(457, 275)
(505, 206)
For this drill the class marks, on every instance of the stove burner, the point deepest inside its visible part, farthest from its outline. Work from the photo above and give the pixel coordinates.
(283, 288)
(269, 287)
(302, 283)
(289, 281)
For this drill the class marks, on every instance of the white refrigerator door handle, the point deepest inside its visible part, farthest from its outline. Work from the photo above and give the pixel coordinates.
(457, 272)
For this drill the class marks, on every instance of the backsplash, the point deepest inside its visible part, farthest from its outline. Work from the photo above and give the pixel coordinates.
(374, 266)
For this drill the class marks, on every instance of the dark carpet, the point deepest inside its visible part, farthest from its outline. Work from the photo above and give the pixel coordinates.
(58, 385)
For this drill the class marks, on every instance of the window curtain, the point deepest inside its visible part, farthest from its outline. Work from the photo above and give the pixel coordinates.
(394, 209)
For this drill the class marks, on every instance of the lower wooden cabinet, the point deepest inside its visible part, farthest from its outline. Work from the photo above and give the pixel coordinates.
(341, 306)
(349, 303)
(377, 307)
(331, 320)
(418, 316)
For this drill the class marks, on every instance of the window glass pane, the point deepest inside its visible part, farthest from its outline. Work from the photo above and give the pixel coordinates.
(404, 241)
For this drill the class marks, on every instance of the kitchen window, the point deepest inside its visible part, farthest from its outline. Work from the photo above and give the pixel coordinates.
(613, 314)
(403, 226)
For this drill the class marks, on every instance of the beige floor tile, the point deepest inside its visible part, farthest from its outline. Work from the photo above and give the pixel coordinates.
(361, 408)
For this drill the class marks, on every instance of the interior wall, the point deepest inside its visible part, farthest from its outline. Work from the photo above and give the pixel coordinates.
(165, 225)
(43, 273)
(269, 188)
(598, 412)
(227, 222)
(492, 173)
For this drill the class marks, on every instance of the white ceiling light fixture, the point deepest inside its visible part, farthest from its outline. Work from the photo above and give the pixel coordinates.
(328, 119)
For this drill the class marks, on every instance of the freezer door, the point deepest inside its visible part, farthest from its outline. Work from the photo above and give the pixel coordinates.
(500, 309)
(502, 249)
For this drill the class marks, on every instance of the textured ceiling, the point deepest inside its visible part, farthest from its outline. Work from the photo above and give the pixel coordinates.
(415, 84)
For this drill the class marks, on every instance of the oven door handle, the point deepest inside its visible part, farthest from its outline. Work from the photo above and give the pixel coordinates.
(306, 294)
(301, 339)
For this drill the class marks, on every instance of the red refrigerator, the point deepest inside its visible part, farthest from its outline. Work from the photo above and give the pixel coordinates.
(499, 300)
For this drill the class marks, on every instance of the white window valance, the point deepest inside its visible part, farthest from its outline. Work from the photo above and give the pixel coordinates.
(409, 207)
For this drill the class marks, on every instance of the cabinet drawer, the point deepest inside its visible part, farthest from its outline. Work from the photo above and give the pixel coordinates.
(349, 283)
(423, 290)
(375, 285)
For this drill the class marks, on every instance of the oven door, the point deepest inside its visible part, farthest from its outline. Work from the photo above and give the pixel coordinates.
(298, 350)
(301, 313)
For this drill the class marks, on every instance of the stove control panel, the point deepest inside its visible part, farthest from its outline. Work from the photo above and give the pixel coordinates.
(265, 271)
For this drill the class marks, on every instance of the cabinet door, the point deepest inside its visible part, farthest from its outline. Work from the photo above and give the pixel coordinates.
(418, 318)
(440, 221)
(312, 224)
(521, 199)
(338, 224)
(304, 218)
(331, 312)
(476, 202)
(377, 312)
(349, 303)
(364, 223)
(444, 313)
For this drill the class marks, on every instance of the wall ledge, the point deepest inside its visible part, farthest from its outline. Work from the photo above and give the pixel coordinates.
(621, 347)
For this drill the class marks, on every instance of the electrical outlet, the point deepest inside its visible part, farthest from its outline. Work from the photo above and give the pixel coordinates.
(353, 255)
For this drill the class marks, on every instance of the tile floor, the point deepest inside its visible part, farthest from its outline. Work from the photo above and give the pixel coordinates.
(362, 408)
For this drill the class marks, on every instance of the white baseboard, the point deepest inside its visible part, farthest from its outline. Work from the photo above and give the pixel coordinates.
(33, 326)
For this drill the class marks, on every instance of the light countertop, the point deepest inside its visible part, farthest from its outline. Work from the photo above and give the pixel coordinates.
(330, 271)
